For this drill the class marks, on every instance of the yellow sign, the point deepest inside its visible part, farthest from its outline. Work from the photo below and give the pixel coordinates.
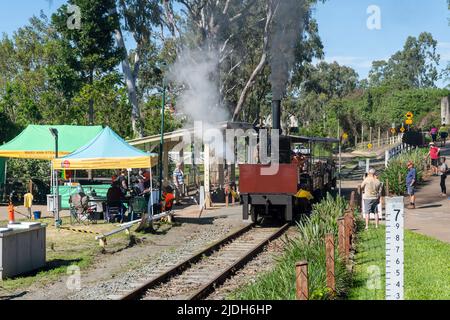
(370, 146)
(409, 115)
(409, 121)
(393, 131)
(402, 129)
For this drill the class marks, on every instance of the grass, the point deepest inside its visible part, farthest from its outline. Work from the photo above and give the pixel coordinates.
(427, 267)
(67, 248)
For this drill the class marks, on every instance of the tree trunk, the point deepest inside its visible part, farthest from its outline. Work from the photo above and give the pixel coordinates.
(130, 81)
(91, 100)
(258, 68)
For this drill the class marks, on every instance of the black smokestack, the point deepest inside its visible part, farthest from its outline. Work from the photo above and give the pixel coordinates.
(287, 30)
(276, 115)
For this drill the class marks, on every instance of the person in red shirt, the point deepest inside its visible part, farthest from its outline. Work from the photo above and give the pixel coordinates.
(434, 155)
(167, 199)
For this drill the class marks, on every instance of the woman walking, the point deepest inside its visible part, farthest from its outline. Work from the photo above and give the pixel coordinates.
(443, 168)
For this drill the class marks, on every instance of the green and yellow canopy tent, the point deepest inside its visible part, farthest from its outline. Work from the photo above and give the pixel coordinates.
(37, 142)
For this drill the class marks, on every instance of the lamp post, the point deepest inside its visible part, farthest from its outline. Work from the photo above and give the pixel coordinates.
(54, 133)
(161, 143)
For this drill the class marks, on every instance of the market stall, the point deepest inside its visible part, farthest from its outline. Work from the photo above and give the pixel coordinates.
(107, 151)
(37, 142)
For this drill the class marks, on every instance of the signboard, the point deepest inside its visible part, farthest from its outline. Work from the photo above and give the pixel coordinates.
(409, 115)
(394, 248)
(402, 129)
(409, 122)
(370, 146)
(393, 131)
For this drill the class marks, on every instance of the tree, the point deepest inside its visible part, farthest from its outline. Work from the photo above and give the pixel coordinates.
(238, 31)
(90, 50)
(140, 17)
(413, 67)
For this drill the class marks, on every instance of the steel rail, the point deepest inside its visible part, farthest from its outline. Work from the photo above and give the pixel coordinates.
(137, 293)
(208, 288)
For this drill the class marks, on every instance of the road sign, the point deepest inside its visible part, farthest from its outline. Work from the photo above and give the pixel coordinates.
(409, 121)
(394, 248)
(393, 130)
(409, 115)
(402, 129)
(370, 146)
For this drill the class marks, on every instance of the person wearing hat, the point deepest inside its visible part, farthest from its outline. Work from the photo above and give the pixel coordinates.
(411, 178)
(434, 155)
(371, 197)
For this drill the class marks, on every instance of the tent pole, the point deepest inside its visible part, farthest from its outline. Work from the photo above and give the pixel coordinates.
(151, 193)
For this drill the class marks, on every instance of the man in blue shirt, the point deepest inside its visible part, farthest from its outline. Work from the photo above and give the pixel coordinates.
(411, 178)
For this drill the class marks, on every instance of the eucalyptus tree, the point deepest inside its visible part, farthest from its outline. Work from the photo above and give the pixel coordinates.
(90, 50)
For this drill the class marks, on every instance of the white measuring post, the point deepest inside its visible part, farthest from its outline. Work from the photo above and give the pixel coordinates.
(394, 248)
(367, 165)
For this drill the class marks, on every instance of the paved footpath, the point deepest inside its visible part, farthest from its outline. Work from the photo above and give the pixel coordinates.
(432, 214)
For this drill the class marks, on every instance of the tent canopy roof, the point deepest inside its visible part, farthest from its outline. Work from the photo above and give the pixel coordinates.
(36, 141)
(106, 151)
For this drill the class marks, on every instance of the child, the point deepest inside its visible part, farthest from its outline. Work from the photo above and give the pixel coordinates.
(167, 199)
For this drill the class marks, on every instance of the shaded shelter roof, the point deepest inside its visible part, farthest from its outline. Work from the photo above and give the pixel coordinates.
(106, 151)
(36, 141)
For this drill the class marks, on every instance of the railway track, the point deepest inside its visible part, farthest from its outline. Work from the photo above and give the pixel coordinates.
(198, 276)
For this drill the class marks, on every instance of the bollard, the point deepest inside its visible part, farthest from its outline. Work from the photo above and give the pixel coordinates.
(341, 237)
(11, 217)
(329, 248)
(301, 270)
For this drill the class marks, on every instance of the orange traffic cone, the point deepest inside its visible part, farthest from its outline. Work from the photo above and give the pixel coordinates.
(11, 213)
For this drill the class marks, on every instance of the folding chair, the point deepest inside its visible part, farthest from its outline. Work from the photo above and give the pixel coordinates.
(114, 212)
(138, 206)
(80, 211)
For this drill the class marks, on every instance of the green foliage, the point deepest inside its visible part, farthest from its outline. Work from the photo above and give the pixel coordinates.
(152, 118)
(413, 67)
(28, 168)
(395, 173)
(279, 284)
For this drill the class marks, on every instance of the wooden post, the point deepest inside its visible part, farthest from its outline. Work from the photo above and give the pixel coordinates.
(348, 233)
(379, 137)
(387, 188)
(329, 248)
(207, 177)
(352, 200)
(301, 270)
(358, 204)
(341, 237)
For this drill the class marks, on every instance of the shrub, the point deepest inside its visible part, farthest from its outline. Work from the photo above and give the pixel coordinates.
(309, 245)
(395, 173)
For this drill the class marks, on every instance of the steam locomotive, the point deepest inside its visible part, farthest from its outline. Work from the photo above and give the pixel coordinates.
(269, 195)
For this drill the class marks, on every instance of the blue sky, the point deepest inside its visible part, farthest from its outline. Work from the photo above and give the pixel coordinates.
(342, 26)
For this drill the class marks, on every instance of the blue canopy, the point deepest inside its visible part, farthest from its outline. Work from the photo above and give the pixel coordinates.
(106, 151)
